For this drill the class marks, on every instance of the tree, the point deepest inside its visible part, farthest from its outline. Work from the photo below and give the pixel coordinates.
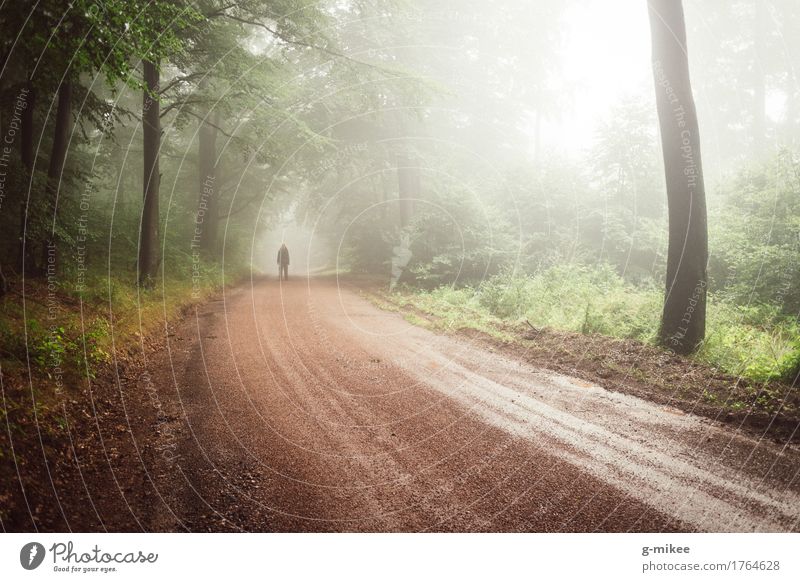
(221, 77)
(208, 213)
(91, 38)
(157, 33)
(25, 260)
(151, 144)
(684, 316)
(58, 156)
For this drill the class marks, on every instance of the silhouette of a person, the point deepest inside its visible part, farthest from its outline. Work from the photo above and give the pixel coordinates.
(283, 263)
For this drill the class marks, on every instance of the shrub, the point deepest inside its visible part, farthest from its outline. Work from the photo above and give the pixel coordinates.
(575, 298)
(755, 341)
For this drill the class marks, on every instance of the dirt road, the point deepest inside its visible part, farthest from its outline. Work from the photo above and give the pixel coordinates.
(300, 406)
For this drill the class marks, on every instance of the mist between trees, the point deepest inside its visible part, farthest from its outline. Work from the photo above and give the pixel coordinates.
(432, 145)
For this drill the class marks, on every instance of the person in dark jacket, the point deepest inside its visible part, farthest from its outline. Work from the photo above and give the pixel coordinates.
(283, 263)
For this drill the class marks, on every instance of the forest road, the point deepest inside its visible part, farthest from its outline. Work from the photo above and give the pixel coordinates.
(300, 406)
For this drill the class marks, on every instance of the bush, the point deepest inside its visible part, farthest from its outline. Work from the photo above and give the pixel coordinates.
(457, 240)
(754, 233)
(575, 298)
(745, 342)
(756, 342)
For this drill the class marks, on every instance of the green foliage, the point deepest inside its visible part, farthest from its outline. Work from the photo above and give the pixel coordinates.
(755, 236)
(296, 139)
(756, 342)
(456, 240)
(454, 308)
(48, 347)
(589, 265)
(58, 349)
(626, 159)
(369, 243)
(62, 343)
(575, 298)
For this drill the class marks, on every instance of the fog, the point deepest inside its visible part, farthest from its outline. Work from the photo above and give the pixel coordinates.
(474, 196)
(309, 254)
(473, 139)
(542, 116)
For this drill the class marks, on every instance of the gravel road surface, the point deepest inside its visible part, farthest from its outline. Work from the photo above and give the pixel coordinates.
(300, 406)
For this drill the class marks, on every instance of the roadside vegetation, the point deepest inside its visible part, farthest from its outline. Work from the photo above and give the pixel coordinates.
(755, 342)
(61, 350)
(66, 333)
(57, 342)
(580, 288)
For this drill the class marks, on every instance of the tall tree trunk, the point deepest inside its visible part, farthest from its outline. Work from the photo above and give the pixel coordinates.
(208, 209)
(25, 258)
(151, 142)
(684, 316)
(58, 156)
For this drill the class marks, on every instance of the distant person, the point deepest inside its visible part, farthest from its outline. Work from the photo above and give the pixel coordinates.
(283, 263)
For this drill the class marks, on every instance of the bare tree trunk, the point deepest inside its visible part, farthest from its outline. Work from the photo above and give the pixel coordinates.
(58, 156)
(684, 316)
(208, 209)
(151, 142)
(25, 257)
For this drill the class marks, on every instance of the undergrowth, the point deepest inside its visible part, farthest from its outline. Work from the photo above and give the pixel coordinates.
(753, 341)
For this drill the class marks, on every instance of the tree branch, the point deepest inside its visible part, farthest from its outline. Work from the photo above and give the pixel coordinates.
(215, 126)
(243, 207)
(183, 102)
(295, 42)
(178, 80)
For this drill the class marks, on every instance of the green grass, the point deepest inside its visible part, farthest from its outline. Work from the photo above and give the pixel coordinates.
(69, 334)
(755, 342)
